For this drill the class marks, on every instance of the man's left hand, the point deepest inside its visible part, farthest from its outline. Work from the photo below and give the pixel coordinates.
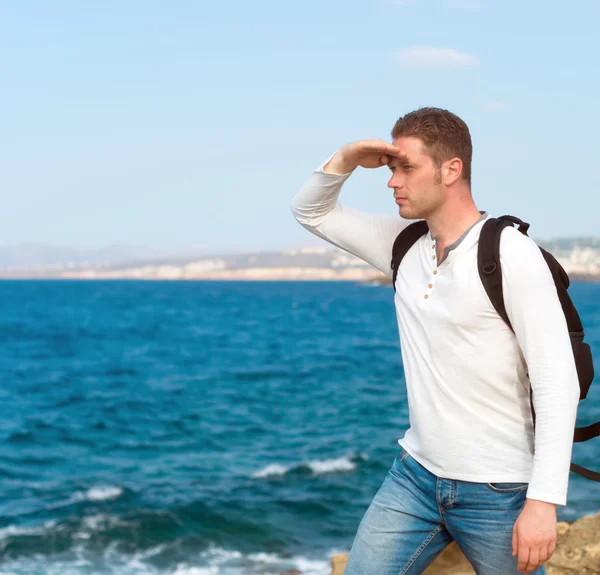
(534, 535)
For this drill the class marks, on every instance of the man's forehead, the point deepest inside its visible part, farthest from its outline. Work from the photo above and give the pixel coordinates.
(410, 144)
(414, 149)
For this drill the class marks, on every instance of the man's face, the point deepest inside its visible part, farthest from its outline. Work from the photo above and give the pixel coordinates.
(417, 185)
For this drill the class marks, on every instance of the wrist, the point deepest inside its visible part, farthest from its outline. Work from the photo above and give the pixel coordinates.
(339, 165)
(539, 503)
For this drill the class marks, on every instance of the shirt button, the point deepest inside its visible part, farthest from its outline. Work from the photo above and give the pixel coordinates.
(426, 296)
(432, 257)
(430, 286)
(433, 247)
(434, 272)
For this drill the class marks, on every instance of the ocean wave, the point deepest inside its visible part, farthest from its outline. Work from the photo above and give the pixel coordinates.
(94, 494)
(212, 561)
(219, 561)
(101, 493)
(273, 470)
(84, 528)
(316, 467)
(92, 524)
(18, 531)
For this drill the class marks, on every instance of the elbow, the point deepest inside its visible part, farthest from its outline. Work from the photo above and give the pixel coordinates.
(302, 215)
(294, 209)
(297, 214)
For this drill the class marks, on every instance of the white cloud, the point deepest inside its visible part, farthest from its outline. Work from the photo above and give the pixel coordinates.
(427, 58)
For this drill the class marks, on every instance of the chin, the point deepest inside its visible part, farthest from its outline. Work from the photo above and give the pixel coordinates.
(408, 214)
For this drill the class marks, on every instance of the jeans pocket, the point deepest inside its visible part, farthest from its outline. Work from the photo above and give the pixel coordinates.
(507, 487)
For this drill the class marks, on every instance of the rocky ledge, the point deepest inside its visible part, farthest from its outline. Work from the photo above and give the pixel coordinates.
(577, 553)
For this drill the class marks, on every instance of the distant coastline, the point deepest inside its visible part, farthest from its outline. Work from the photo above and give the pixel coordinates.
(580, 258)
(252, 275)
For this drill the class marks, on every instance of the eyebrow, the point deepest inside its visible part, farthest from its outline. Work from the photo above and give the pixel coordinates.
(398, 162)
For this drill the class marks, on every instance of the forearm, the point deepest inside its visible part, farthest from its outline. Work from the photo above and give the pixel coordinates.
(555, 405)
(318, 196)
(553, 378)
(367, 236)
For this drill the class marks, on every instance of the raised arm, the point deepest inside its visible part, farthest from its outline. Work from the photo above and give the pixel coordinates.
(316, 207)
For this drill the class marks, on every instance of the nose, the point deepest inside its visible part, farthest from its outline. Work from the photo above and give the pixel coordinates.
(395, 182)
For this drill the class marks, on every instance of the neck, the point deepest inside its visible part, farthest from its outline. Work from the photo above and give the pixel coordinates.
(451, 220)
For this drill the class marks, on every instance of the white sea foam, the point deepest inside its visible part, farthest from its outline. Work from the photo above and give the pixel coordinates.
(214, 562)
(101, 493)
(15, 530)
(265, 557)
(317, 467)
(272, 470)
(185, 570)
(331, 465)
(150, 552)
(96, 523)
(95, 494)
(226, 562)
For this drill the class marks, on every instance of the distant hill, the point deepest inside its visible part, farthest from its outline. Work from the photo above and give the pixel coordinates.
(39, 255)
(580, 256)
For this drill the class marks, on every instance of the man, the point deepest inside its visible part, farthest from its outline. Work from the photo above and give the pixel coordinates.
(471, 468)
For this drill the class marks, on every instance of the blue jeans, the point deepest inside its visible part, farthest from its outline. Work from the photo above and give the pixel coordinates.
(415, 514)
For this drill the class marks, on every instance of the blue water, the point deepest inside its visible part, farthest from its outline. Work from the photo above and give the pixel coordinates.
(204, 428)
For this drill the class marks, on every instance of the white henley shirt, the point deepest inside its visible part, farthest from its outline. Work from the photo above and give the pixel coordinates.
(468, 376)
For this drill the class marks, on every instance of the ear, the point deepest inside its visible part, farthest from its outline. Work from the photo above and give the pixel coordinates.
(451, 170)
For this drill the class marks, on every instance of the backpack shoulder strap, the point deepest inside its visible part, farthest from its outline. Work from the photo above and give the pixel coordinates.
(488, 260)
(406, 239)
(490, 272)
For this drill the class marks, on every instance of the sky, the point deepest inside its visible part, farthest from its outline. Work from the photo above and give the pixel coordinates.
(192, 125)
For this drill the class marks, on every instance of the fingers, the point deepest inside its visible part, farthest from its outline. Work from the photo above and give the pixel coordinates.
(372, 153)
(393, 151)
(531, 558)
(534, 561)
(523, 559)
(536, 558)
(388, 149)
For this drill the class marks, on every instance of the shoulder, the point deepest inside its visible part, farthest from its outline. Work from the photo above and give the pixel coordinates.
(512, 241)
(521, 257)
(517, 248)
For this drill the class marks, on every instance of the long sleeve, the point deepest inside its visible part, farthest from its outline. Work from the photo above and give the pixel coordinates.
(540, 327)
(367, 236)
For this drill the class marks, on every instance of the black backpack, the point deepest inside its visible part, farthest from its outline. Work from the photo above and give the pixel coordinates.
(491, 276)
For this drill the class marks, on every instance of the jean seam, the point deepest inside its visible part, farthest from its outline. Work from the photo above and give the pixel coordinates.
(512, 490)
(421, 549)
(404, 456)
(437, 499)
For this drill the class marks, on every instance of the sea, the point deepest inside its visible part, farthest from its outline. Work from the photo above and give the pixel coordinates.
(206, 428)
